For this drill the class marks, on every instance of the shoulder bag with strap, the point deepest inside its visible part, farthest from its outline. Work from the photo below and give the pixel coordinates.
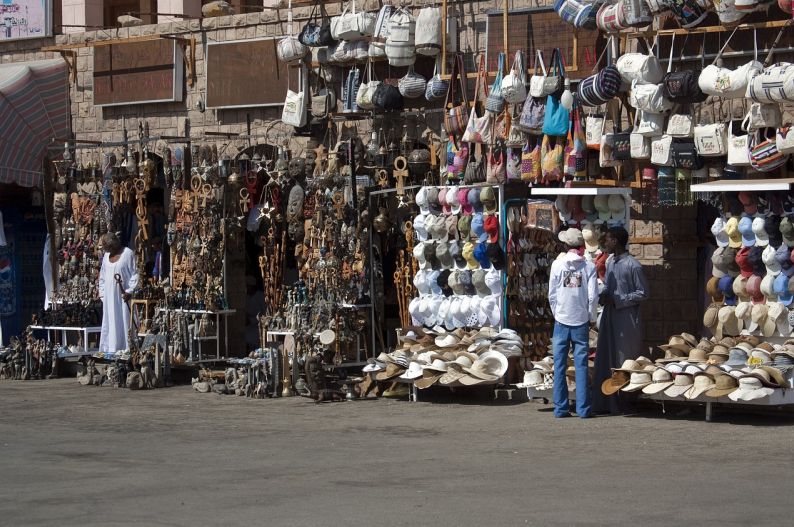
(456, 118)
(557, 118)
(478, 129)
(682, 86)
(514, 84)
(729, 84)
(494, 103)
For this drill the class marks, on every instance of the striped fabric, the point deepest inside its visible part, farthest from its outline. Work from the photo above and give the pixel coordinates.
(34, 109)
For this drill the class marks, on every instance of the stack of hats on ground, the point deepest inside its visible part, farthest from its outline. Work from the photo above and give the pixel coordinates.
(743, 368)
(448, 358)
(540, 376)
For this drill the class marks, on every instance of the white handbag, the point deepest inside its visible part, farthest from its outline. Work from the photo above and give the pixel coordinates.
(645, 69)
(367, 89)
(593, 129)
(295, 104)
(711, 140)
(606, 153)
(640, 146)
(773, 85)
(342, 52)
(290, 49)
(514, 88)
(649, 98)
(428, 31)
(762, 116)
(784, 139)
(649, 124)
(660, 151)
(726, 83)
(537, 81)
(400, 45)
(352, 25)
(680, 125)
(738, 155)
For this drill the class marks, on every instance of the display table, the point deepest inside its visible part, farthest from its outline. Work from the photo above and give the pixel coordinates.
(84, 331)
(200, 313)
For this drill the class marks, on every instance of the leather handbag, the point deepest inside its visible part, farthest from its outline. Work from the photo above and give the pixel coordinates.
(784, 140)
(478, 129)
(456, 118)
(763, 152)
(514, 84)
(494, 103)
(682, 87)
(317, 31)
(738, 153)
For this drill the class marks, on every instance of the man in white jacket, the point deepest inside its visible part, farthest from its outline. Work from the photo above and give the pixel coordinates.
(573, 296)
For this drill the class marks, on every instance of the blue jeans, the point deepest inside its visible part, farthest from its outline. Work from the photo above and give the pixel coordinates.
(578, 336)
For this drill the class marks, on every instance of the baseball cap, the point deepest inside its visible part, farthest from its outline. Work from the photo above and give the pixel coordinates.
(746, 230)
(718, 230)
(491, 226)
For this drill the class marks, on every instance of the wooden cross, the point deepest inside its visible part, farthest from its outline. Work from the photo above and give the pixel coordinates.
(400, 173)
(244, 200)
(206, 192)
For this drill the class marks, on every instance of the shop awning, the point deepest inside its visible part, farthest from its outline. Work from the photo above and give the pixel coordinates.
(34, 109)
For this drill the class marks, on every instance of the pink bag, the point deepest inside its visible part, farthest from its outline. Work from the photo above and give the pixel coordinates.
(496, 166)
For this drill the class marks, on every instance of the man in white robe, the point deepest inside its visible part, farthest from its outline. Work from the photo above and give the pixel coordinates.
(115, 312)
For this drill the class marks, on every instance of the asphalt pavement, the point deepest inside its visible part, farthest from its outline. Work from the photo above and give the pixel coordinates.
(75, 455)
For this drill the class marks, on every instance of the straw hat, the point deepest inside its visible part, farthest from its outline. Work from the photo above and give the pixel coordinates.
(660, 380)
(638, 381)
(681, 384)
(702, 383)
(619, 379)
(723, 385)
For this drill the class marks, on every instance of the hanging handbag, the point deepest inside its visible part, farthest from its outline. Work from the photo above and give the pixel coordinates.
(412, 85)
(601, 86)
(436, 87)
(317, 31)
(352, 25)
(649, 124)
(350, 90)
(576, 164)
(682, 86)
(784, 140)
(726, 83)
(460, 160)
(554, 82)
(514, 84)
(688, 13)
(649, 98)
(401, 42)
(530, 163)
(501, 126)
(388, 97)
(513, 164)
(556, 118)
(640, 145)
(290, 49)
(367, 90)
(537, 82)
(551, 160)
(377, 45)
(683, 154)
(594, 128)
(763, 152)
(711, 140)
(494, 103)
(496, 167)
(323, 100)
(428, 31)
(294, 112)
(738, 152)
(680, 125)
(532, 115)
(611, 18)
(478, 129)
(762, 115)
(636, 13)
(515, 137)
(475, 171)
(639, 67)
(343, 52)
(455, 118)
(660, 150)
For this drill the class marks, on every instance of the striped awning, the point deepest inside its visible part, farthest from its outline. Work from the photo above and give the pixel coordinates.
(34, 109)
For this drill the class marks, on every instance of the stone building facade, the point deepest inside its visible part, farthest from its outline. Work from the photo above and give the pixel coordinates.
(664, 239)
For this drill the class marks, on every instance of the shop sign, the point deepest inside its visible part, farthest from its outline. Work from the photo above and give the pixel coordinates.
(23, 19)
(138, 73)
(247, 73)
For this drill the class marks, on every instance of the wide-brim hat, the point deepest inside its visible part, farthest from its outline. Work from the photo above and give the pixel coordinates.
(678, 388)
(392, 370)
(613, 385)
(660, 380)
(702, 384)
(723, 385)
(429, 378)
(637, 381)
